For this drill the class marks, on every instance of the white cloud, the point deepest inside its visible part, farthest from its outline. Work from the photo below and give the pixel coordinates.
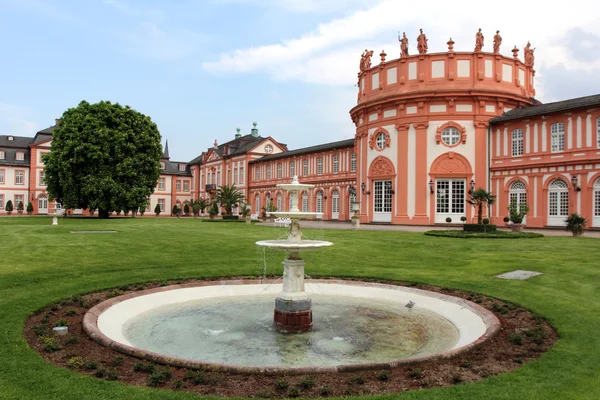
(16, 120)
(299, 6)
(330, 53)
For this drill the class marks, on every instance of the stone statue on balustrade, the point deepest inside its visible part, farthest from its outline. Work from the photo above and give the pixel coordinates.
(422, 42)
(497, 42)
(365, 60)
(529, 57)
(403, 44)
(478, 41)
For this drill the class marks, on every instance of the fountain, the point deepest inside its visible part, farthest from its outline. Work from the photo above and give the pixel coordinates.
(293, 308)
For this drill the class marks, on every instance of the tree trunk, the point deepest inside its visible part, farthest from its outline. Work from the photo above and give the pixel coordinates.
(103, 214)
(479, 212)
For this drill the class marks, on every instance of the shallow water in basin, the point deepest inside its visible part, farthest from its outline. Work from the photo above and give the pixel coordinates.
(239, 331)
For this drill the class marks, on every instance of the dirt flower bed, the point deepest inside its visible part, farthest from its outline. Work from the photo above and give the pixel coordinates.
(523, 337)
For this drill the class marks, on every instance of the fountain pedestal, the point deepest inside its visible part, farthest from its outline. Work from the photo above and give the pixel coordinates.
(293, 312)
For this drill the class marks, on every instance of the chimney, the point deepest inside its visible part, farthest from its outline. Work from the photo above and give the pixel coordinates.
(57, 121)
(254, 130)
(238, 134)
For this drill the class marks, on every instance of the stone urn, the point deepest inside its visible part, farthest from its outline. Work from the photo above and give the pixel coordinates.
(517, 227)
(248, 219)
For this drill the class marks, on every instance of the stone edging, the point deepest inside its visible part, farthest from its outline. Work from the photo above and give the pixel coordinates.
(90, 326)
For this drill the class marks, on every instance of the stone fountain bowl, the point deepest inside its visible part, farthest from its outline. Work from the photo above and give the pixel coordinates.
(296, 214)
(294, 247)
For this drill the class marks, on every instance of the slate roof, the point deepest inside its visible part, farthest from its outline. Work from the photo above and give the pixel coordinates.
(548, 108)
(172, 168)
(236, 147)
(305, 150)
(11, 147)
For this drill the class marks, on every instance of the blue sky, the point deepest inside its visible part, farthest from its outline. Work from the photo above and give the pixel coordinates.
(200, 69)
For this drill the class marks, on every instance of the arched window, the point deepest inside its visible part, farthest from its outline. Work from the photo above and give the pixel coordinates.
(596, 220)
(279, 202)
(380, 141)
(517, 142)
(257, 203)
(598, 133)
(518, 194)
(558, 137)
(558, 202)
(319, 201)
(450, 136)
(305, 202)
(335, 204)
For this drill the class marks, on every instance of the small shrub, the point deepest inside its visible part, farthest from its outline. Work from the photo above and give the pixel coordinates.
(140, 287)
(114, 293)
(383, 376)
(75, 362)
(357, 379)
(307, 383)
(537, 334)
(281, 384)
(263, 394)
(71, 313)
(40, 330)
(485, 221)
(54, 307)
(110, 374)
(466, 364)
(124, 288)
(116, 361)
(99, 373)
(189, 374)
(457, 378)
(479, 228)
(500, 308)
(293, 392)
(325, 390)
(516, 338)
(177, 384)
(415, 373)
(448, 219)
(506, 220)
(50, 343)
(159, 377)
(91, 365)
(46, 319)
(199, 379)
(62, 322)
(463, 219)
(72, 339)
(145, 367)
(518, 360)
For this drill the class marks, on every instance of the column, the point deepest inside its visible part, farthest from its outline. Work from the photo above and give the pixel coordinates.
(421, 181)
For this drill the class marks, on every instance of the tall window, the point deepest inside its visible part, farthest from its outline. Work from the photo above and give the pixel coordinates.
(161, 204)
(558, 198)
(18, 199)
(336, 164)
(380, 141)
(320, 165)
(257, 173)
(257, 203)
(517, 142)
(292, 169)
(241, 175)
(268, 171)
(279, 170)
(558, 137)
(598, 133)
(320, 201)
(42, 178)
(161, 183)
(178, 185)
(279, 202)
(518, 194)
(19, 177)
(1, 176)
(162, 165)
(305, 202)
(235, 176)
(305, 167)
(1, 202)
(596, 198)
(353, 162)
(2, 155)
(186, 186)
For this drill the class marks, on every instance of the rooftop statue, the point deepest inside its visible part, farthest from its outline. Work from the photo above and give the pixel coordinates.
(497, 42)
(365, 60)
(422, 42)
(403, 44)
(478, 41)
(529, 57)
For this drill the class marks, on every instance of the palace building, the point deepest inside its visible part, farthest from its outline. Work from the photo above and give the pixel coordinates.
(429, 128)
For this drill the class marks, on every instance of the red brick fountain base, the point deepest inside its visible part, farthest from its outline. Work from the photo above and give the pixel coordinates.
(293, 321)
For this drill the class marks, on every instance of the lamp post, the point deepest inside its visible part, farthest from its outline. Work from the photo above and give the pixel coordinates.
(431, 190)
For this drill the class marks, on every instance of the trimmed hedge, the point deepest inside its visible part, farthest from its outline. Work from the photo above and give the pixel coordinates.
(230, 217)
(479, 228)
(481, 235)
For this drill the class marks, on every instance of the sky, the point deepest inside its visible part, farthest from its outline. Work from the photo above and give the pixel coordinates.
(202, 68)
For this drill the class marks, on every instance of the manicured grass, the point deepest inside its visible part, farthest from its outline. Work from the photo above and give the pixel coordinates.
(41, 263)
(480, 235)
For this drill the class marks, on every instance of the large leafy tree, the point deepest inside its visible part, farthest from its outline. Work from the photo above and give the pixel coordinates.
(104, 156)
(227, 196)
(479, 198)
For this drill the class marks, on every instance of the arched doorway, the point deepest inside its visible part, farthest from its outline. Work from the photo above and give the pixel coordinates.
(319, 202)
(450, 173)
(596, 219)
(43, 204)
(518, 195)
(558, 202)
(381, 173)
(335, 204)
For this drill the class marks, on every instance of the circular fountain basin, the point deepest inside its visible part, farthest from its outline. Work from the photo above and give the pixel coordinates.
(294, 247)
(228, 326)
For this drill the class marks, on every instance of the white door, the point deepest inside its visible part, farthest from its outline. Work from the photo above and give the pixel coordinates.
(518, 195)
(596, 202)
(335, 205)
(558, 203)
(43, 205)
(450, 200)
(382, 202)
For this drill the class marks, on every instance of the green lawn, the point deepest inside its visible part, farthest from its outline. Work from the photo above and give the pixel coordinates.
(40, 263)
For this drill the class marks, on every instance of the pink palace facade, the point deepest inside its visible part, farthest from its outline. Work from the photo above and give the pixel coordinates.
(429, 127)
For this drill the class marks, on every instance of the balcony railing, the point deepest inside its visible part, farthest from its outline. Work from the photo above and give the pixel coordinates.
(211, 187)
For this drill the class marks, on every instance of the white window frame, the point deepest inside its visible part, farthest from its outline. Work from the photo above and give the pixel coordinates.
(598, 133)
(336, 164)
(320, 166)
(517, 142)
(269, 171)
(42, 180)
(353, 162)
(257, 173)
(279, 171)
(19, 178)
(305, 202)
(186, 186)
(451, 136)
(1, 202)
(305, 167)
(319, 202)
(292, 169)
(380, 141)
(19, 156)
(182, 167)
(161, 203)
(161, 184)
(178, 185)
(557, 137)
(2, 155)
(1, 176)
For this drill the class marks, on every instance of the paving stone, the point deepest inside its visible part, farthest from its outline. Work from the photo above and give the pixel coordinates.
(518, 274)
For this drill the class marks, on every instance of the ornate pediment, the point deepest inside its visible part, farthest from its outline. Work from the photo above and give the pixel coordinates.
(381, 166)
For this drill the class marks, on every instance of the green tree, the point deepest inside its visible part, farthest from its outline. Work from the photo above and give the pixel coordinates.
(157, 209)
(479, 198)
(8, 207)
(228, 196)
(103, 156)
(29, 208)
